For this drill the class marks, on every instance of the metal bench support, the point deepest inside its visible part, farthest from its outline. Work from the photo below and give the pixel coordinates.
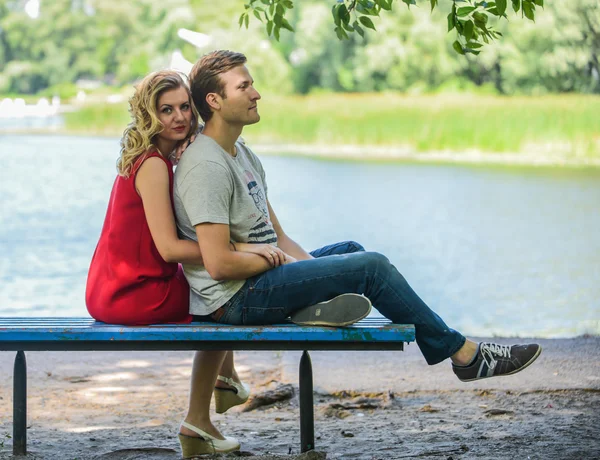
(20, 405)
(307, 415)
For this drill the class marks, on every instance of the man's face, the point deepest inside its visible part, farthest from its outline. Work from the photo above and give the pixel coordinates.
(239, 107)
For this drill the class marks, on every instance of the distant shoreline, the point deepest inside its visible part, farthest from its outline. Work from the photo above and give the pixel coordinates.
(383, 154)
(404, 154)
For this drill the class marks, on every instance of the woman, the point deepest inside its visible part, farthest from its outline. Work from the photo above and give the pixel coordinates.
(134, 277)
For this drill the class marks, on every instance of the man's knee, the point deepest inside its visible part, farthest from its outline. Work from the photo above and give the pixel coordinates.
(371, 261)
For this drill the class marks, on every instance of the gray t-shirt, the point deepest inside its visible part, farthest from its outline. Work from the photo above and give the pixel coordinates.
(211, 186)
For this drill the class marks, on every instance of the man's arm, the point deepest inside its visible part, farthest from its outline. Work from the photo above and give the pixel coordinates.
(288, 245)
(223, 263)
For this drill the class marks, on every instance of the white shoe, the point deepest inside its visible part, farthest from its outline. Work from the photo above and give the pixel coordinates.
(343, 310)
(206, 444)
(226, 398)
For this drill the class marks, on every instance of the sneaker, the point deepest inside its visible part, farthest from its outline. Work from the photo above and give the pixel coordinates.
(342, 310)
(493, 360)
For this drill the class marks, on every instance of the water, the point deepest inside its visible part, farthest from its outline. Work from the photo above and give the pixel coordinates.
(495, 251)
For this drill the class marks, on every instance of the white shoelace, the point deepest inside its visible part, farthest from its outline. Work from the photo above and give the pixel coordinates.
(489, 351)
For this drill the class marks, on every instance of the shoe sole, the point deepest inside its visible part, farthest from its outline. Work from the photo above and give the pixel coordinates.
(527, 364)
(192, 447)
(226, 398)
(343, 310)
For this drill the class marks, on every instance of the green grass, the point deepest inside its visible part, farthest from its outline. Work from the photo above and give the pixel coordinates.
(563, 124)
(103, 119)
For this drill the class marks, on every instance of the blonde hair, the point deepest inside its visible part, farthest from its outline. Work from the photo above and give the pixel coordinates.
(139, 136)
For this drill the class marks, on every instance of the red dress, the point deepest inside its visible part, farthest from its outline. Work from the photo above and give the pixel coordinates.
(128, 281)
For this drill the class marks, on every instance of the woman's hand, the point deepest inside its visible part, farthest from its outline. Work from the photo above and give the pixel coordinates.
(272, 254)
(176, 154)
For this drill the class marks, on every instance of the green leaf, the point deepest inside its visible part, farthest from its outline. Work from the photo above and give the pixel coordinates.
(468, 30)
(480, 17)
(288, 4)
(257, 14)
(501, 6)
(465, 10)
(539, 2)
(241, 20)
(474, 45)
(344, 14)
(383, 4)
(247, 20)
(280, 10)
(272, 9)
(335, 11)
(277, 19)
(360, 30)
(347, 27)
(451, 22)
(516, 4)
(529, 10)
(365, 21)
(269, 27)
(458, 47)
(276, 33)
(341, 33)
(433, 4)
(286, 25)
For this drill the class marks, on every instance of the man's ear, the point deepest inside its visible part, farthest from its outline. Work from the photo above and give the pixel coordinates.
(213, 101)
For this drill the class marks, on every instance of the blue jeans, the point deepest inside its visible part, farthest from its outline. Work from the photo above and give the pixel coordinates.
(272, 296)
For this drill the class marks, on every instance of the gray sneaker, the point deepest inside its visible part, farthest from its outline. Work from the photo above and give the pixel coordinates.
(342, 310)
(493, 360)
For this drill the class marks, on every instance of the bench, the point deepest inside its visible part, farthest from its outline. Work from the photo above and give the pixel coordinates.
(85, 334)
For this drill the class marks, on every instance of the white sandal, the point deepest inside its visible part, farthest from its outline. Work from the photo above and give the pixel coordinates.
(226, 398)
(206, 444)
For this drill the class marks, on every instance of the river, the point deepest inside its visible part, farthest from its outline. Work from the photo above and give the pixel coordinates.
(494, 250)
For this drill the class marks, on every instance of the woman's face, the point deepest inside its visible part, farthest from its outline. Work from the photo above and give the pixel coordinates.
(175, 113)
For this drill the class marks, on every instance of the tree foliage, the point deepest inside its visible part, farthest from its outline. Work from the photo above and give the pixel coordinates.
(470, 19)
(116, 42)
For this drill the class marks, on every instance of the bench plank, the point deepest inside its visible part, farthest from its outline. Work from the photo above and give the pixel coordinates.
(86, 333)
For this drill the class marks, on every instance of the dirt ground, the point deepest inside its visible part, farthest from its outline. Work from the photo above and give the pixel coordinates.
(128, 406)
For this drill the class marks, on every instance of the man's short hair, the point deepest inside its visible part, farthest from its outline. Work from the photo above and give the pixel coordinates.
(205, 79)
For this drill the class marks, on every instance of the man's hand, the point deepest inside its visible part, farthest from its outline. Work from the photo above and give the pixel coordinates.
(272, 254)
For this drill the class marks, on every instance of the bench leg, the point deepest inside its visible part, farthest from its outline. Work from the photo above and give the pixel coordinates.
(20, 405)
(307, 416)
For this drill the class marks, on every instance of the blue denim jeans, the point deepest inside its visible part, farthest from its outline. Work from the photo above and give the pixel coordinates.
(272, 296)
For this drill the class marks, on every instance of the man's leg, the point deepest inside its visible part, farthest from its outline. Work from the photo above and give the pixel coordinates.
(345, 247)
(272, 296)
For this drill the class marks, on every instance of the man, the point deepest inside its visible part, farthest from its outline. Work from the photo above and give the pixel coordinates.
(221, 196)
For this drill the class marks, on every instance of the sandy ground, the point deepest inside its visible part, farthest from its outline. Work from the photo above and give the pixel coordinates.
(368, 405)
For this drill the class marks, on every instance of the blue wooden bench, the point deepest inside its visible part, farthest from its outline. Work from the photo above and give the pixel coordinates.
(85, 334)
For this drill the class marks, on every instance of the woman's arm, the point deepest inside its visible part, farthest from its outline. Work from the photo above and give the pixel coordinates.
(152, 184)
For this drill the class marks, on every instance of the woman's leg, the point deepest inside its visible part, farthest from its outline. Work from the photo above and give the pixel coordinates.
(228, 370)
(204, 374)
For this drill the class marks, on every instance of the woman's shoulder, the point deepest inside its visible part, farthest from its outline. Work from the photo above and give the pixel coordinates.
(155, 157)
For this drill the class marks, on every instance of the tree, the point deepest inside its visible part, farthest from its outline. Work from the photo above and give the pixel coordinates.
(469, 18)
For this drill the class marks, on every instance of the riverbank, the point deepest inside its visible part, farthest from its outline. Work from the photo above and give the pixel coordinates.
(545, 130)
(538, 156)
(369, 405)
